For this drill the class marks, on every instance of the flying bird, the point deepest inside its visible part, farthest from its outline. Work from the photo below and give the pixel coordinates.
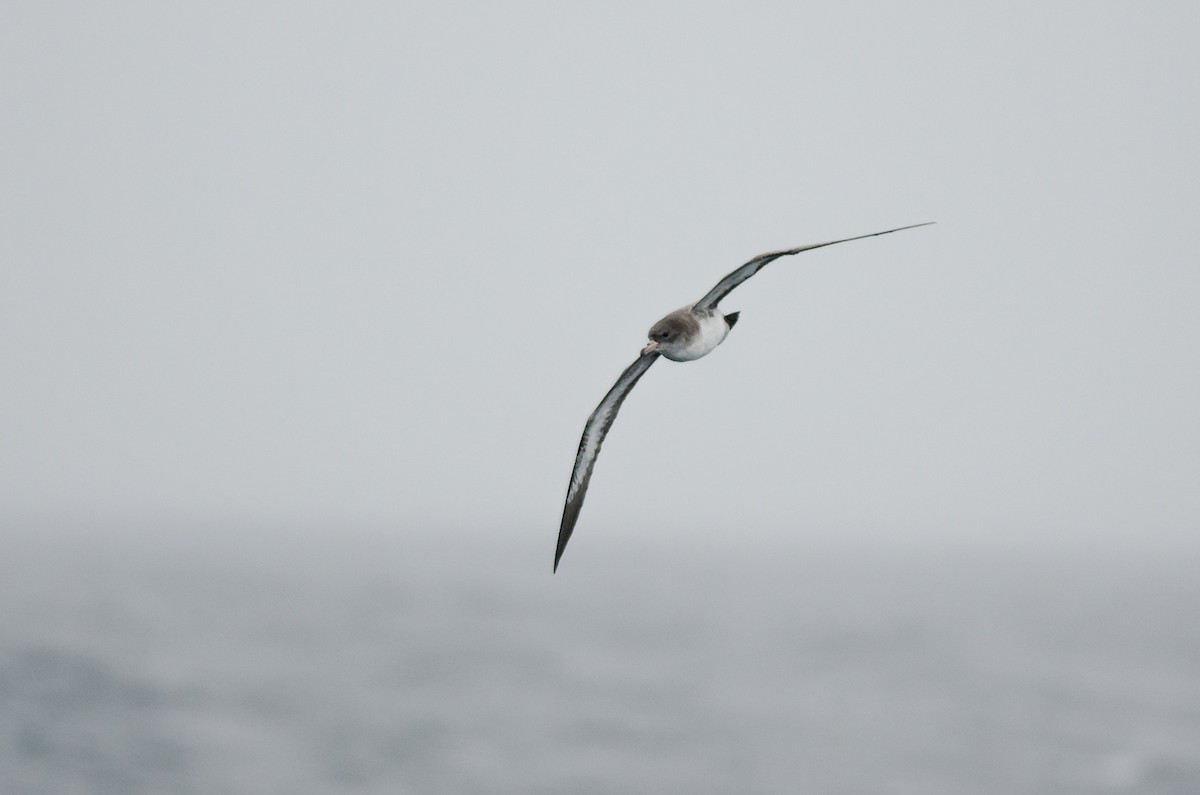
(683, 335)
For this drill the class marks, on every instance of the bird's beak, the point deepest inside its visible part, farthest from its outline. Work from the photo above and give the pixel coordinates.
(651, 346)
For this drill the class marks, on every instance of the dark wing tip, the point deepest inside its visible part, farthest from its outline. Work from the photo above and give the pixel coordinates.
(560, 548)
(567, 527)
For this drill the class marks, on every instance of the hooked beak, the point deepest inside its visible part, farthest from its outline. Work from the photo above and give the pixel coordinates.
(651, 346)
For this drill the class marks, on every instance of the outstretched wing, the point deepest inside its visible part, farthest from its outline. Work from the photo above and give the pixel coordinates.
(726, 285)
(589, 446)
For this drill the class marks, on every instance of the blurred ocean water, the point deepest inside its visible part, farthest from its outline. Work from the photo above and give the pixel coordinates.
(171, 660)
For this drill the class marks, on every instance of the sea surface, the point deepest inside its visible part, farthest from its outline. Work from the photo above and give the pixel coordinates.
(178, 658)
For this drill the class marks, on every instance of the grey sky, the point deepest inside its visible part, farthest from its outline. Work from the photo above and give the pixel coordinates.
(377, 262)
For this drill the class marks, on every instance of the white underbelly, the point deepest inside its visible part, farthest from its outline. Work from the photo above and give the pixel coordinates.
(713, 329)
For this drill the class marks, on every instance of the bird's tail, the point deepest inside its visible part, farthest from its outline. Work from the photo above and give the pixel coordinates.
(731, 319)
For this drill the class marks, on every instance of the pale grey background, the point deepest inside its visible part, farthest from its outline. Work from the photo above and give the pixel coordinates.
(380, 261)
(303, 306)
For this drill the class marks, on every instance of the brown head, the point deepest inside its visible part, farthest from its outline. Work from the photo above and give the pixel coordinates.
(673, 332)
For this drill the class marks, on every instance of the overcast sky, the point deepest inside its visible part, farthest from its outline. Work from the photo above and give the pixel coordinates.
(377, 262)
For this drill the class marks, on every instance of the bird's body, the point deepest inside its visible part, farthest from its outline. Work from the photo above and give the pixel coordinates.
(682, 336)
(699, 334)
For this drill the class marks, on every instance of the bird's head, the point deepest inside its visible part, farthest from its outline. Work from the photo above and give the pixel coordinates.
(670, 335)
